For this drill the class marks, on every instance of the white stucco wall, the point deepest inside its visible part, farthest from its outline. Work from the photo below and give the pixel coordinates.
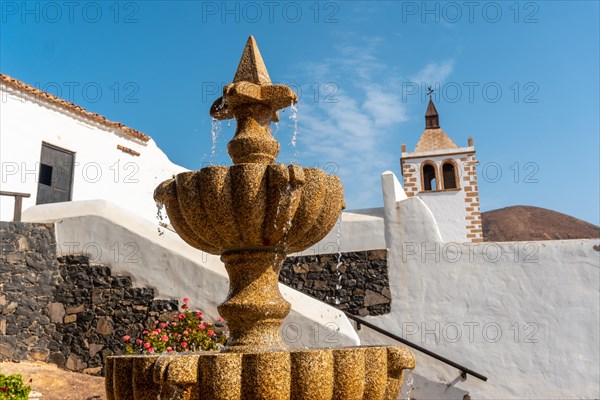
(131, 245)
(524, 314)
(449, 211)
(101, 170)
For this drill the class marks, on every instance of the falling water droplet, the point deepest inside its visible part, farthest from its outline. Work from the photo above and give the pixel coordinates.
(229, 123)
(276, 128)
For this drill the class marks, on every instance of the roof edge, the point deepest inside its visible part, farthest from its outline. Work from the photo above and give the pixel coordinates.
(435, 153)
(50, 98)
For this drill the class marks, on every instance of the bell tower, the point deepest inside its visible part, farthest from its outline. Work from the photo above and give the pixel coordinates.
(444, 176)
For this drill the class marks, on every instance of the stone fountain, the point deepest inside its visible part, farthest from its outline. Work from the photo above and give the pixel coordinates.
(252, 214)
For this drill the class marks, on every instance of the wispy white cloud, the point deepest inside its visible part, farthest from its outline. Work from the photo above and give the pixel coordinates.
(384, 106)
(354, 131)
(434, 73)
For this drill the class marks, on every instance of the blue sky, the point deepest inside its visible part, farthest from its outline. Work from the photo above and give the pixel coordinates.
(520, 77)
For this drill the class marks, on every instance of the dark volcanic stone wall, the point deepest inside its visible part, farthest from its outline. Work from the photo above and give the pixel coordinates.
(28, 275)
(364, 281)
(65, 311)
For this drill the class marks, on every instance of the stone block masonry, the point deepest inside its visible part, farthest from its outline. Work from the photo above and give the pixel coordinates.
(473, 218)
(28, 275)
(363, 289)
(65, 310)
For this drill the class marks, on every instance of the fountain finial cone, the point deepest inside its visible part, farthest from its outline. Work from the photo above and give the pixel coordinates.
(252, 67)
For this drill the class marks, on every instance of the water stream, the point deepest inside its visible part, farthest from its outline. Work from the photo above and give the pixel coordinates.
(215, 132)
(294, 124)
(408, 386)
(161, 218)
(338, 283)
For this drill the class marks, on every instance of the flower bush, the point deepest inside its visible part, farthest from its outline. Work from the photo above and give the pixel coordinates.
(188, 331)
(13, 388)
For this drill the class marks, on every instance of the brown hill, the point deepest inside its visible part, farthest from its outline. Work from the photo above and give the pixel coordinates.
(522, 223)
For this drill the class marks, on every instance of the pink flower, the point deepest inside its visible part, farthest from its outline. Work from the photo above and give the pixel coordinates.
(199, 314)
(164, 338)
(185, 332)
(163, 325)
(186, 300)
(151, 350)
(126, 338)
(145, 332)
(201, 326)
(184, 306)
(181, 316)
(210, 332)
(170, 349)
(184, 344)
(138, 341)
(219, 319)
(147, 345)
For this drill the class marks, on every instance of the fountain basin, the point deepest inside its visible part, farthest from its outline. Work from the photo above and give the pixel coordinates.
(252, 206)
(360, 373)
(253, 214)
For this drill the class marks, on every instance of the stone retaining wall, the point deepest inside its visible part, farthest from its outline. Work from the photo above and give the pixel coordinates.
(65, 311)
(361, 287)
(28, 275)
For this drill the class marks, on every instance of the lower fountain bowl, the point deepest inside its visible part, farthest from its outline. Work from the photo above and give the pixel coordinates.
(353, 373)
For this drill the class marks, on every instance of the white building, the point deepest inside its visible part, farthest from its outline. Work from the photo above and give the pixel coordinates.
(56, 151)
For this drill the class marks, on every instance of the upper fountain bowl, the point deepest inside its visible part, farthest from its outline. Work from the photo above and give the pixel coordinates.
(252, 207)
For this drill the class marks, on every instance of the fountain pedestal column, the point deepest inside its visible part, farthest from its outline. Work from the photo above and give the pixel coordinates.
(254, 308)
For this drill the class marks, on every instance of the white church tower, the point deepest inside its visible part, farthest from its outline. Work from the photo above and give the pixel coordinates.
(444, 176)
